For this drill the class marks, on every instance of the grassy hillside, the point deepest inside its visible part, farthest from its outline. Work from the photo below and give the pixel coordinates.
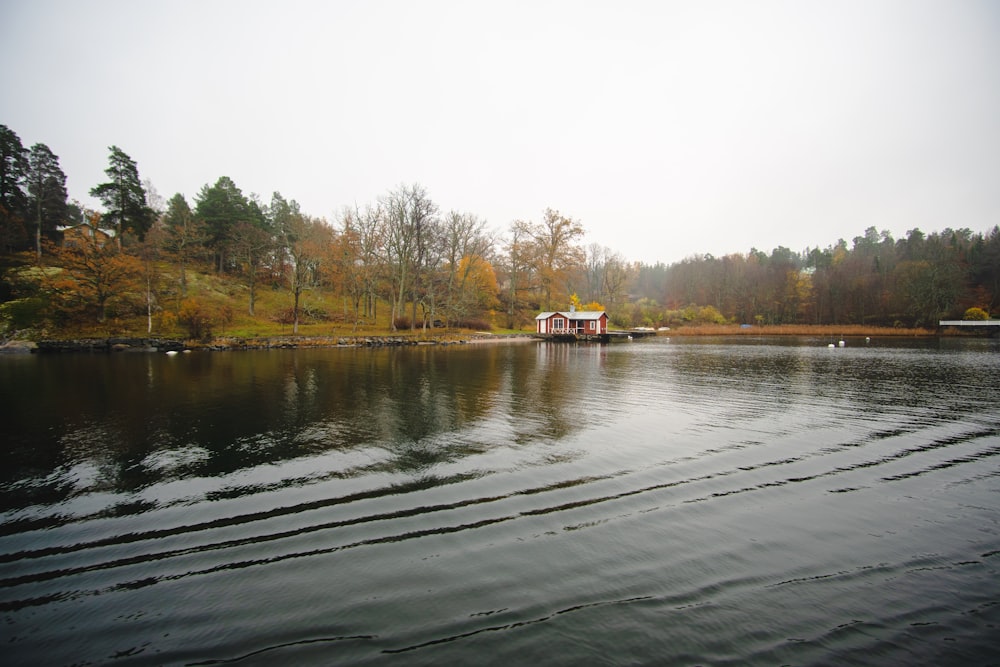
(220, 301)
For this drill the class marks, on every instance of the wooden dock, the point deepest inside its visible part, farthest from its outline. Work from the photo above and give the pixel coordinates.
(615, 335)
(989, 327)
(629, 334)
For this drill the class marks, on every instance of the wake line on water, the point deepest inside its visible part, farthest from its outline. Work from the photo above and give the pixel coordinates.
(227, 522)
(517, 624)
(420, 511)
(699, 597)
(278, 647)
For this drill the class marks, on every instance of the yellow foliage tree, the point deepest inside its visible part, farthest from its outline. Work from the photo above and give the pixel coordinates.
(478, 287)
(976, 314)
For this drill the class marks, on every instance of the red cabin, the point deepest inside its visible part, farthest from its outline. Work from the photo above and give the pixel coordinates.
(580, 323)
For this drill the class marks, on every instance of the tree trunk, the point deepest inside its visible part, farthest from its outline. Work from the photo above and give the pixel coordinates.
(253, 291)
(149, 303)
(295, 312)
(38, 234)
(184, 284)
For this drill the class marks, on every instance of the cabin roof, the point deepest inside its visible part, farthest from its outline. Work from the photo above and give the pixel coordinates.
(575, 315)
(85, 226)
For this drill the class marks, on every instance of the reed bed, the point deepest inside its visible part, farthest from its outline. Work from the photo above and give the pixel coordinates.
(796, 330)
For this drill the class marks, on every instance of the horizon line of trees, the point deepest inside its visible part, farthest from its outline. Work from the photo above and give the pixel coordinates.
(428, 266)
(877, 280)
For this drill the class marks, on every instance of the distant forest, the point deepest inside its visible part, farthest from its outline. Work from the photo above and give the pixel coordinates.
(405, 258)
(876, 280)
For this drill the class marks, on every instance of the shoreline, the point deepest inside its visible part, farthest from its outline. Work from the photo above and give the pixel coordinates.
(225, 344)
(222, 344)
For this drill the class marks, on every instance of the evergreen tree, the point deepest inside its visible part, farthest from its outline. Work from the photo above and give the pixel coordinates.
(222, 207)
(46, 193)
(13, 201)
(124, 197)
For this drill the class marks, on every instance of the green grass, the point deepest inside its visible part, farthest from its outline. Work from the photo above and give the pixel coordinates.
(225, 299)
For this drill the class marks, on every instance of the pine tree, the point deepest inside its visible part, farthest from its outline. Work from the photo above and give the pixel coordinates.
(46, 193)
(124, 198)
(222, 207)
(13, 201)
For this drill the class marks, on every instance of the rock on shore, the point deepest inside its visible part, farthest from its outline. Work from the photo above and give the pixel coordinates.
(227, 344)
(296, 342)
(110, 345)
(18, 347)
(220, 344)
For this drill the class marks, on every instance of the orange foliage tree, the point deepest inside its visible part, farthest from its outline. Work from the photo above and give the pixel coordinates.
(96, 278)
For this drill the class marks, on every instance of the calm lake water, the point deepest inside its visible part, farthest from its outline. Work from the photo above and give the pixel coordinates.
(707, 501)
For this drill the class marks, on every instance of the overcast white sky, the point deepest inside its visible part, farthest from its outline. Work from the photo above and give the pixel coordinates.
(666, 128)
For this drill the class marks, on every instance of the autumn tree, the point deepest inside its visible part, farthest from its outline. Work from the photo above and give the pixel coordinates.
(477, 288)
(518, 262)
(409, 216)
(357, 258)
(46, 194)
(183, 236)
(148, 253)
(124, 198)
(341, 268)
(157, 205)
(607, 275)
(428, 277)
(249, 245)
(558, 254)
(466, 246)
(593, 268)
(95, 277)
(306, 241)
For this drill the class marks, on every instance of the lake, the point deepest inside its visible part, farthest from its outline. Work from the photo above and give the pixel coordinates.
(730, 501)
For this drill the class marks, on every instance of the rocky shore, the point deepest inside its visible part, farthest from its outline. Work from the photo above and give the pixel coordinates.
(110, 345)
(107, 345)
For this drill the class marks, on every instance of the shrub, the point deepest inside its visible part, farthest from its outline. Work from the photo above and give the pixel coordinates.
(316, 313)
(168, 321)
(21, 313)
(285, 316)
(196, 316)
(473, 323)
(976, 314)
(710, 315)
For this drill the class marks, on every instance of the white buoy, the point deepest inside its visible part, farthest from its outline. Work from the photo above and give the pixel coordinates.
(841, 343)
(171, 352)
(831, 346)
